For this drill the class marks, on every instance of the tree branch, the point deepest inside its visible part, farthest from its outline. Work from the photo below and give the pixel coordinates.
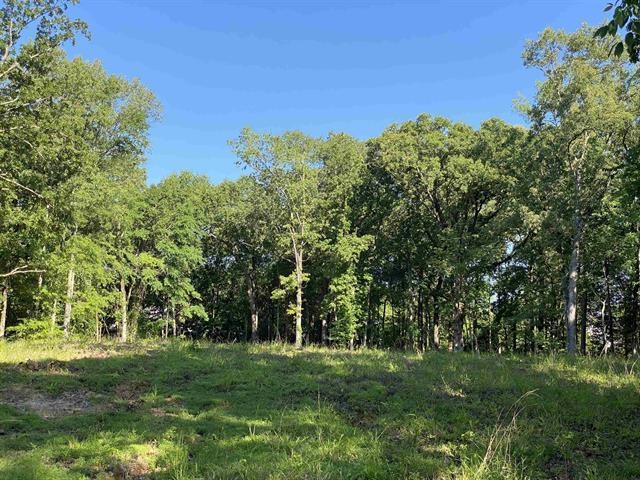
(24, 187)
(21, 270)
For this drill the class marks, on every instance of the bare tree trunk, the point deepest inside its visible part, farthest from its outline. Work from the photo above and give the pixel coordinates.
(631, 339)
(458, 316)
(165, 326)
(324, 329)
(54, 314)
(436, 313)
(607, 304)
(174, 318)
(571, 304)
(299, 279)
(427, 323)
(71, 282)
(5, 305)
(583, 326)
(420, 315)
(254, 316)
(367, 326)
(123, 310)
(476, 347)
(458, 322)
(384, 317)
(98, 328)
(253, 306)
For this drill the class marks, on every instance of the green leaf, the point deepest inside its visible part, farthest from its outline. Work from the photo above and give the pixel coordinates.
(629, 40)
(620, 17)
(618, 49)
(608, 7)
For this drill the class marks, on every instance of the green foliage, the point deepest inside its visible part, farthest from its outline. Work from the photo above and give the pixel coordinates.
(36, 329)
(433, 234)
(626, 16)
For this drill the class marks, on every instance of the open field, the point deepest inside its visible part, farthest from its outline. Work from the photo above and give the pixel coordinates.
(202, 411)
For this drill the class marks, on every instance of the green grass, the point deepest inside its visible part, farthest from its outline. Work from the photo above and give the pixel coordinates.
(200, 411)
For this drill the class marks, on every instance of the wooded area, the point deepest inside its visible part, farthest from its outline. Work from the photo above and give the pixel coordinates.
(434, 234)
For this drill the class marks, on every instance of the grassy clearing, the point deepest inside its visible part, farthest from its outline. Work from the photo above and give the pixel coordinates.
(200, 411)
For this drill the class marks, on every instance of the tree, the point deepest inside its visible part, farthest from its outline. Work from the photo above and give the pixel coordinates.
(339, 243)
(581, 115)
(22, 62)
(287, 168)
(240, 230)
(176, 219)
(453, 185)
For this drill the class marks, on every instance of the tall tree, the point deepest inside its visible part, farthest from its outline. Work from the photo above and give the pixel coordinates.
(287, 167)
(581, 114)
(176, 219)
(456, 191)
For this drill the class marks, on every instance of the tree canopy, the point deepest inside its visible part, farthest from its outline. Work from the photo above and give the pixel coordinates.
(433, 234)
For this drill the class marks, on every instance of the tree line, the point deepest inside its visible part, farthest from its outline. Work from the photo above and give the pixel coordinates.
(432, 235)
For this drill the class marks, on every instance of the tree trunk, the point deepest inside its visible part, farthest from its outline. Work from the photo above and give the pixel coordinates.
(98, 328)
(458, 317)
(252, 295)
(476, 347)
(123, 310)
(165, 327)
(607, 305)
(299, 279)
(71, 282)
(436, 313)
(631, 327)
(427, 323)
(5, 306)
(420, 315)
(384, 317)
(175, 324)
(324, 329)
(583, 326)
(54, 314)
(571, 304)
(367, 327)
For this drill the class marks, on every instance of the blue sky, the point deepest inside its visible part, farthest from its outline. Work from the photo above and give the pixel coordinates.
(355, 66)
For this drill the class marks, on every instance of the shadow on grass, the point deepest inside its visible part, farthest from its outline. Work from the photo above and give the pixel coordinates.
(219, 411)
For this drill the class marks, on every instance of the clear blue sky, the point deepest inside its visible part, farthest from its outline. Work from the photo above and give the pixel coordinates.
(317, 66)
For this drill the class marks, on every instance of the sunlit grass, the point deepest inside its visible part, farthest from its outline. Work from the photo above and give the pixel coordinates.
(182, 410)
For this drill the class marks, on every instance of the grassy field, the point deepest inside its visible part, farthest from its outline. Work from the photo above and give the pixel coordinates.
(200, 411)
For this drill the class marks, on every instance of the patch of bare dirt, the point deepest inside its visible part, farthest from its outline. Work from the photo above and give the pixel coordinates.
(131, 391)
(136, 468)
(52, 366)
(67, 403)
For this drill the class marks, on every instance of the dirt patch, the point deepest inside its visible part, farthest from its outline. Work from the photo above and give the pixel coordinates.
(52, 366)
(67, 403)
(131, 391)
(136, 468)
(560, 468)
